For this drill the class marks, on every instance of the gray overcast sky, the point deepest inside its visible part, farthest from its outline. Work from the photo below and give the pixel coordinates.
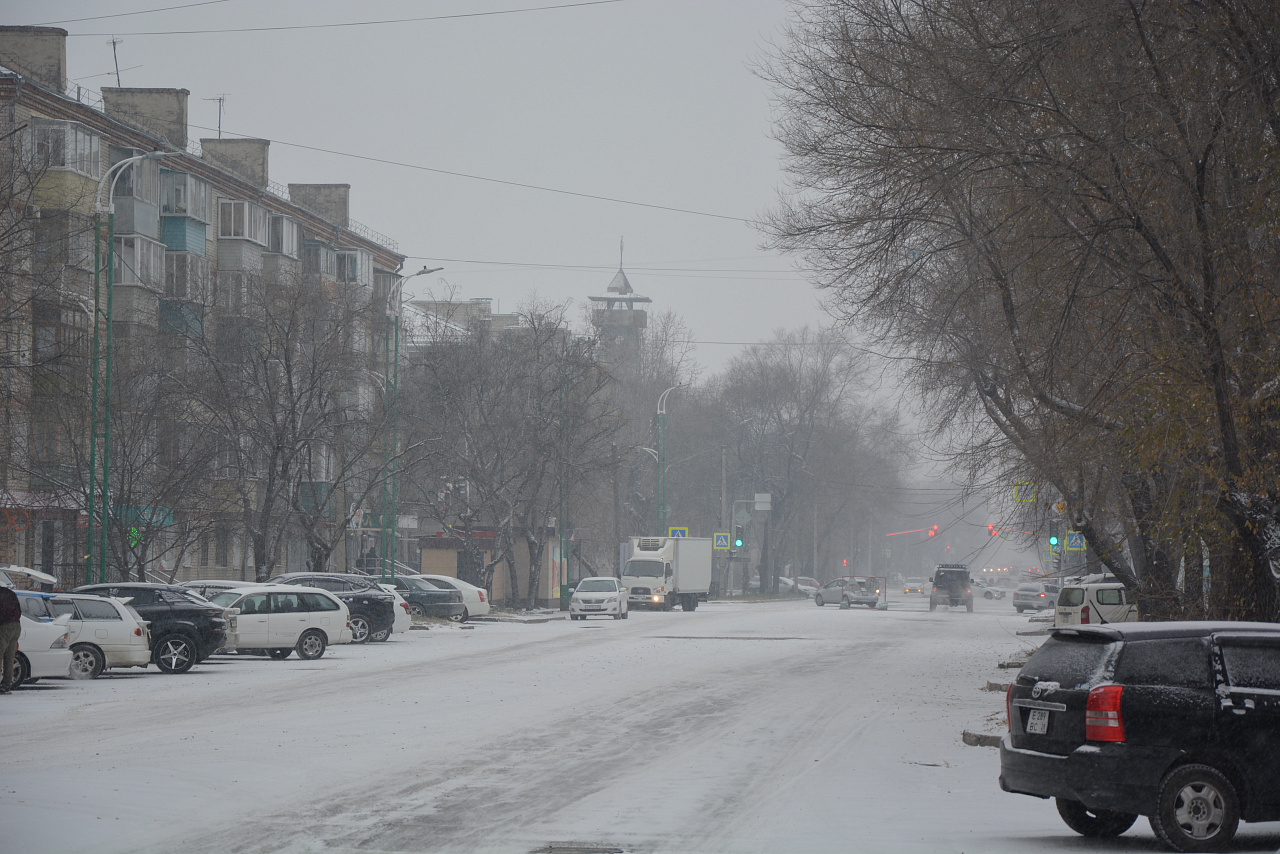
(646, 100)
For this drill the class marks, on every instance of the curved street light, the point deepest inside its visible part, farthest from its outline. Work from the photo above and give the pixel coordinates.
(662, 457)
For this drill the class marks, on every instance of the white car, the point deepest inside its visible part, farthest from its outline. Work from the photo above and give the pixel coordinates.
(603, 596)
(476, 599)
(278, 619)
(1094, 604)
(103, 632)
(403, 621)
(43, 651)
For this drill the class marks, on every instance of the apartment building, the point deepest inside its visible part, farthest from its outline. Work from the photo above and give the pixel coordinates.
(195, 237)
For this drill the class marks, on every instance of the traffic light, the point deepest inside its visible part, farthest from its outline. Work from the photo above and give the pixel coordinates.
(846, 562)
(739, 540)
(992, 530)
(933, 531)
(1053, 539)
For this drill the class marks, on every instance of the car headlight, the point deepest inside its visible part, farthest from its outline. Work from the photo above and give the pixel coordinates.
(611, 600)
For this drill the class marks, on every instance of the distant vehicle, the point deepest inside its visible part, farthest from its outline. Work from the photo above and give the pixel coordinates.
(1094, 604)
(372, 608)
(403, 621)
(102, 632)
(475, 600)
(663, 572)
(277, 619)
(987, 590)
(43, 651)
(1175, 721)
(832, 592)
(914, 585)
(429, 598)
(951, 587)
(806, 585)
(185, 628)
(862, 592)
(1035, 596)
(602, 596)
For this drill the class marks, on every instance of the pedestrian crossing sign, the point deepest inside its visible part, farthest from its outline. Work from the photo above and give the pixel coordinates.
(677, 532)
(1075, 541)
(721, 541)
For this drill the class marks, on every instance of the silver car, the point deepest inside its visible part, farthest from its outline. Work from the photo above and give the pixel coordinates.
(1035, 596)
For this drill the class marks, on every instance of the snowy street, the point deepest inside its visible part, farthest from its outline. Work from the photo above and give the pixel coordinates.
(739, 727)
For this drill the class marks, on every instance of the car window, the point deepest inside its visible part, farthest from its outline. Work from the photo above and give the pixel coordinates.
(1108, 596)
(255, 603)
(1253, 666)
(441, 583)
(1073, 661)
(1028, 588)
(225, 598)
(334, 585)
(96, 609)
(317, 602)
(1071, 597)
(58, 607)
(286, 603)
(140, 595)
(35, 607)
(1178, 662)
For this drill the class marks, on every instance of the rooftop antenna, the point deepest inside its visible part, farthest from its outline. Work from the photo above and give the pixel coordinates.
(620, 245)
(115, 41)
(221, 98)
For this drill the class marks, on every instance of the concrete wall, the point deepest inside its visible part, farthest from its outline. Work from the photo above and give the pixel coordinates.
(39, 53)
(331, 201)
(159, 111)
(244, 158)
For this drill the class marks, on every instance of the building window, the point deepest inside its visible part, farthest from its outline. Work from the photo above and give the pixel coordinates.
(68, 145)
(186, 276)
(242, 220)
(139, 180)
(319, 260)
(139, 261)
(355, 266)
(283, 236)
(57, 332)
(221, 547)
(185, 195)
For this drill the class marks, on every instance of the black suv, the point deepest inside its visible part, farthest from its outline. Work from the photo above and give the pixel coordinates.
(373, 610)
(185, 629)
(951, 587)
(1179, 722)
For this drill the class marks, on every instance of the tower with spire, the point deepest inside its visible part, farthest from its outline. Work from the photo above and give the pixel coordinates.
(617, 320)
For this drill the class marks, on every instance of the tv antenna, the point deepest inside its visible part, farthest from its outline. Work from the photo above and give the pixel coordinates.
(115, 41)
(221, 98)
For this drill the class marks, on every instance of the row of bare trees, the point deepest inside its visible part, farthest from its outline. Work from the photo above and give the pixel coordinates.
(1064, 216)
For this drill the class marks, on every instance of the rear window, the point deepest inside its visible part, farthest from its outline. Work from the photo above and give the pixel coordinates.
(1072, 661)
(1253, 666)
(1028, 588)
(1071, 597)
(34, 607)
(1176, 662)
(91, 609)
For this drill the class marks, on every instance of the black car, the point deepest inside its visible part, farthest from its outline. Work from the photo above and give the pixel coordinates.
(185, 628)
(951, 586)
(1179, 722)
(427, 599)
(372, 608)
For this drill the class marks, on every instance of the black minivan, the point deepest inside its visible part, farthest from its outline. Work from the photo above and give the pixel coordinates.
(1179, 722)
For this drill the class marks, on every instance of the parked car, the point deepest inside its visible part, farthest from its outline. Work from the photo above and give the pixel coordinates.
(43, 651)
(207, 587)
(1087, 604)
(951, 586)
(185, 628)
(603, 596)
(914, 585)
(428, 598)
(1179, 722)
(475, 600)
(806, 585)
(372, 608)
(277, 619)
(832, 591)
(102, 632)
(861, 592)
(402, 621)
(1035, 596)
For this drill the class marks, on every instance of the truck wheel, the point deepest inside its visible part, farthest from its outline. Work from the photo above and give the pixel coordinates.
(1096, 824)
(669, 603)
(688, 602)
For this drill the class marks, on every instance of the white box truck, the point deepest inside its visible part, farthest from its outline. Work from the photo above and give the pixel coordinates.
(665, 571)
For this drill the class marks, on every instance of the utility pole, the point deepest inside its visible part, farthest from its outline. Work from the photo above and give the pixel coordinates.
(724, 515)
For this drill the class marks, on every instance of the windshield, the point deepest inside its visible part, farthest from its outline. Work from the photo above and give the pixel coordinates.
(644, 568)
(598, 585)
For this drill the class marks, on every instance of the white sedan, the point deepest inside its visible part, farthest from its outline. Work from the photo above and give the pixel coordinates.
(278, 619)
(603, 596)
(475, 599)
(43, 651)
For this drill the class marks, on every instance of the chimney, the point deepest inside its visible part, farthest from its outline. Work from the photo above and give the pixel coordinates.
(245, 158)
(38, 53)
(162, 112)
(330, 201)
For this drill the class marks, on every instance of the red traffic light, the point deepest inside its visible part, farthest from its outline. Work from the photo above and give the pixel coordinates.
(933, 530)
(846, 561)
(992, 530)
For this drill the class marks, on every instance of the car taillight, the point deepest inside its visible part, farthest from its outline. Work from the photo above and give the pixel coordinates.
(1008, 707)
(481, 595)
(1102, 719)
(1084, 615)
(405, 605)
(137, 633)
(1041, 595)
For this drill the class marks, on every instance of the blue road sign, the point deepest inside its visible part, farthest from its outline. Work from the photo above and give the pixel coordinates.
(1075, 541)
(721, 541)
(677, 532)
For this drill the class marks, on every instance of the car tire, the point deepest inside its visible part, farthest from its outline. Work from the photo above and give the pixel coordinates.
(174, 654)
(933, 606)
(618, 616)
(87, 661)
(817, 600)
(466, 614)
(1018, 609)
(360, 628)
(416, 610)
(280, 654)
(311, 645)
(382, 636)
(21, 671)
(1197, 809)
(626, 615)
(1095, 824)
(457, 618)
(988, 595)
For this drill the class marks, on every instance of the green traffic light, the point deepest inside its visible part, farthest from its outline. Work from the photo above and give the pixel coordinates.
(737, 543)
(1053, 541)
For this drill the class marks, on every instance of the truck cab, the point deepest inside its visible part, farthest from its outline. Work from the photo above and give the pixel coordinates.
(663, 572)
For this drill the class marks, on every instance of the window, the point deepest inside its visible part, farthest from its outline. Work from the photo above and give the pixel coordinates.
(1178, 662)
(221, 547)
(184, 195)
(1256, 667)
(91, 609)
(139, 180)
(285, 603)
(255, 604)
(68, 145)
(244, 220)
(1110, 597)
(63, 239)
(233, 291)
(186, 276)
(316, 602)
(283, 236)
(319, 260)
(139, 261)
(355, 266)
(57, 332)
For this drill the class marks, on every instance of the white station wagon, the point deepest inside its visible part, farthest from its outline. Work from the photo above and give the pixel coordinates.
(280, 618)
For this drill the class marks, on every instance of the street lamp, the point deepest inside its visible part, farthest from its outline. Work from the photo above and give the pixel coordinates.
(391, 397)
(100, 408)
(662, 456)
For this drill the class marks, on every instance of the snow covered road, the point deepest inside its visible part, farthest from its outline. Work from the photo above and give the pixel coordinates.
(737, 728)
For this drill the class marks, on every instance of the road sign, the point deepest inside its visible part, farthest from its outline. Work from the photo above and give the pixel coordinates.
(743, 516)
(677, 532)
(1075, 541)
(1024, 493)
(721, 541)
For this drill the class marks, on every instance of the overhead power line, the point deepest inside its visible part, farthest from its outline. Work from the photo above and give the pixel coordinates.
(640, 268)
(378, 23)
(130, 14)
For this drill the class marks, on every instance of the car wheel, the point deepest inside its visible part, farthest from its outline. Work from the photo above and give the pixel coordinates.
(817, 599)
(1095, 824)
(359, 628)
(1018, 609)
(87, 661)
(311, 645)
(280, 654)
(21, 671)
(618, 616)
(466, 614)
(1197, 809)
(933, 606)
(456, 618)
(175, 654)
(416, 610)
(626, 615)
(988, 595)
(379, 637)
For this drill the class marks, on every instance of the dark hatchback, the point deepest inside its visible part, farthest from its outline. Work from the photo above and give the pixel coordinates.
(426, 599)
(185, 628)
(372, 609)
(1179, 722)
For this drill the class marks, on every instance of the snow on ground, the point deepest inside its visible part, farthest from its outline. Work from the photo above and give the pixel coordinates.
(773, 727)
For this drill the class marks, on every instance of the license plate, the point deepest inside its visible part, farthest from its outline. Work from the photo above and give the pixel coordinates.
(1038, 722)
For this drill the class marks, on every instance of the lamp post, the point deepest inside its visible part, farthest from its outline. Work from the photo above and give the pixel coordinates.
(100, 407)
(391, 397)
(662, 457)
